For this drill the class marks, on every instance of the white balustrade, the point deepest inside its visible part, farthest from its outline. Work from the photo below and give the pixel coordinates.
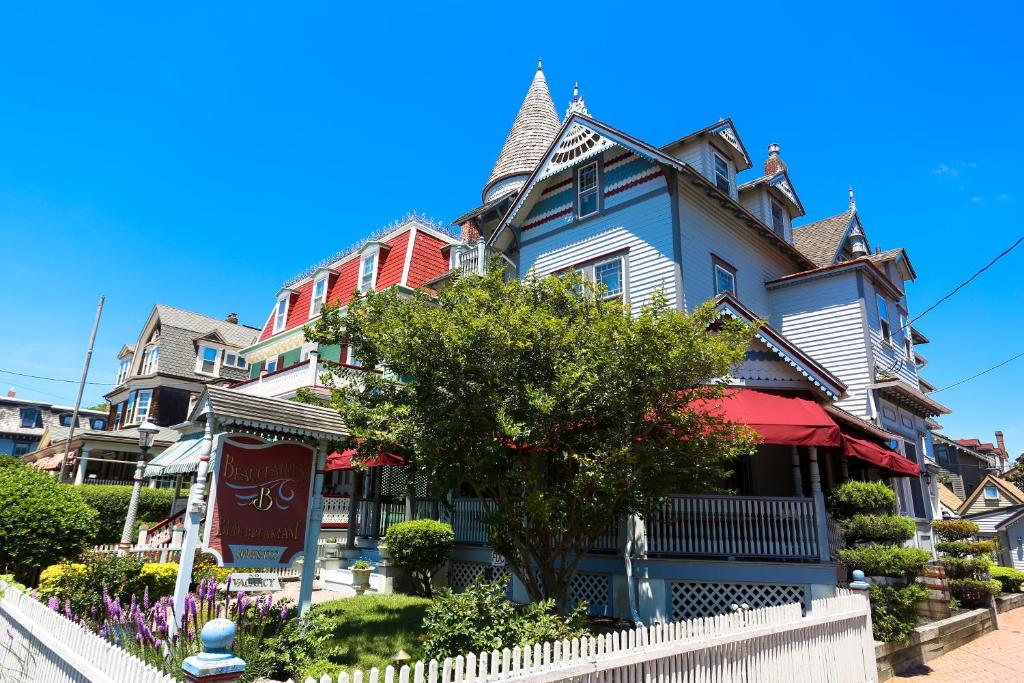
(283, 382)
(735, 526)
(336, 511)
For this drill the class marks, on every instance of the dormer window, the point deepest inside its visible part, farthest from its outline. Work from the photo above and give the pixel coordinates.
(586, 189)
(722, 174)
(725, 278)
(207, 360)
(367, 268)
(65, 419)
(123, 369)
(778, 219)
(280, 314)
(319, 295)
(883, 319)
(233, 360)
(31, 418)
(151, 360)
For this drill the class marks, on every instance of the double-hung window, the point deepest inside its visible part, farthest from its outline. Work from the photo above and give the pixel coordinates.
(142, 402)
(725, 278)
(272, 364)
(908, 345)
(608, 276)
(119, 415)
(280, 314)
(586, 190)
(31, 418)
(778, 219)
(151, 360)
(366, 268)
(883, 318)
(233, 360)
(319, 296)
(352, 360)
(722, 174)
(206, 362)
(123, 368)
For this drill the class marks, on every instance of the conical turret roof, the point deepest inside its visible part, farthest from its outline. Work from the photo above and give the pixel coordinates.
(534, 129)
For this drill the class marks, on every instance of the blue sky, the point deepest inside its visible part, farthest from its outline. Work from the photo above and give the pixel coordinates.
(198, 156)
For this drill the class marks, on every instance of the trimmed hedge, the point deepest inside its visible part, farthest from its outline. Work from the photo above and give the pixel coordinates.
(966, 548)
(955, 529)
(421, 548)
(965, 568)
(879, 529)
(862, 497)
(974, 592)
(894, 610)
(1011, 579)
(886, 560)
(111, 502)
(41, 521)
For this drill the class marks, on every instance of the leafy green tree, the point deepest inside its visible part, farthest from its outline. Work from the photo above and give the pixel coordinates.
(102, 405)
(559, 409)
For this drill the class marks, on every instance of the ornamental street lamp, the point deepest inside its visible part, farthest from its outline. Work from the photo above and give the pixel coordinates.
(147, 433)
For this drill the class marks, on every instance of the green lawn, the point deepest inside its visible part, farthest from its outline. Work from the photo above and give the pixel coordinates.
(366, 631)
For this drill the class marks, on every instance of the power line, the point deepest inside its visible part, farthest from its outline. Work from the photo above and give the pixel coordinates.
(53, 379)
(964, 283)
(983, 372)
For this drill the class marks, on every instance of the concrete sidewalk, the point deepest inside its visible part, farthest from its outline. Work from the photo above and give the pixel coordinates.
(996, 657)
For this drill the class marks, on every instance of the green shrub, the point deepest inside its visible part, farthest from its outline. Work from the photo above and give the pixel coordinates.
(885, 560)
(879, 529)
(1010, 579)
(862, 497)
(41, 521)
(481, 619)
(955, 529)
(111, 502)
(894, 610)
(966, 548)
(59, 579)
(421, 548)
(965, 567)
(83, 584)
(974, 592)
(159, 578)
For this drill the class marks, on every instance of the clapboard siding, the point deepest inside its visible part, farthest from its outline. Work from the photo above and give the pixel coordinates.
(1013, 549)
(643, 228)
(755, 202)
(981, 504)
(825, 319)
(987, 522)
(890, 358)
(707, 229)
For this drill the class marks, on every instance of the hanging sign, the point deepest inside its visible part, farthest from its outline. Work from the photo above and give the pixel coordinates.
(259, 510)
(254, 582)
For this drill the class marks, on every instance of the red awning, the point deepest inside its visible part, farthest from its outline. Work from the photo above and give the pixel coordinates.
(879, 456)
(343, 460)
(780, 418)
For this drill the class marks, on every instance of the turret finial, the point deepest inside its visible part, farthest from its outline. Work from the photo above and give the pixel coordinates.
(539, 66)
(853, 202)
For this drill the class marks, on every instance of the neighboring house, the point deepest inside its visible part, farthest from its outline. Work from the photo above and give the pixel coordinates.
(177, 353)
(996, 451)
(949, 502)
(1010, 535)
(992, 493)
(404, 255)
(963, 464)
(679, 220)
(24, 423)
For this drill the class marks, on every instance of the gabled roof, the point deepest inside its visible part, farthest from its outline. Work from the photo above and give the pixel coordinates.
(821, 241)
(233, 334)
(536, 125)
(817, 375)
(781, 183)
(726, 131)
(1008, 488)
(949, 499)
(273, 414)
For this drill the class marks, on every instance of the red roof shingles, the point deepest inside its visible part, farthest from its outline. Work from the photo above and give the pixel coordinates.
(427, 263)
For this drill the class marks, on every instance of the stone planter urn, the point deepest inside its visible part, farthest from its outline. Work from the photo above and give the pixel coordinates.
(385, 556)
(332, 550)
(360, 578)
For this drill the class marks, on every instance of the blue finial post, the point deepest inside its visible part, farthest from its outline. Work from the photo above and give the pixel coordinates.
(217, 662)
(859, 583)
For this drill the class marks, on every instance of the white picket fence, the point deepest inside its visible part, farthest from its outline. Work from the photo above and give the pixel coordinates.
(832, 644)
(40, 645)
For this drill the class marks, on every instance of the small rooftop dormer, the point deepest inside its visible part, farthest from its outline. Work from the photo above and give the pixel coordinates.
(771, 197)
(716, 152)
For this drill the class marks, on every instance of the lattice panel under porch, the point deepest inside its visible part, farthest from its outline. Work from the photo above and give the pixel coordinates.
(462, 574)
(692, 599)
(595, 589)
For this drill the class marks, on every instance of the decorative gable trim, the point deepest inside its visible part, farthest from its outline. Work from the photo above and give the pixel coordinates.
(818, 376)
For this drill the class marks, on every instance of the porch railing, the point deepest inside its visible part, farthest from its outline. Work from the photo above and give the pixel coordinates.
(336, 510)
(467, 522)
(375, 518)
(735, 526)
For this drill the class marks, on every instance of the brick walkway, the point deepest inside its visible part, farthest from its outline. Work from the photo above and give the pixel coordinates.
(996, 657)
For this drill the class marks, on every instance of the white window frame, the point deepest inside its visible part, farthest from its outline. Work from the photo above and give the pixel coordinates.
(314, 308)
(373, 258)
(621, 294)
(727, 177)
(150, 360)
(201, 361)
(124, 369)
(350, 358)
(908, 343)
(281, 314)
(267, 363)
(137, 416)
(884, 326)
(993, 488)
(780, 229)
(581, 192)
(719, 265)
(238, 362)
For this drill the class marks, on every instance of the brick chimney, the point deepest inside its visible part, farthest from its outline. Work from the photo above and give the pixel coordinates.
(470, 230)
(774, 163)
(11, 392)
(1001, 443)
(232, 318)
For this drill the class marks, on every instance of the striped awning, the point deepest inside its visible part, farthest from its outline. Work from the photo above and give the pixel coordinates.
(179, 458)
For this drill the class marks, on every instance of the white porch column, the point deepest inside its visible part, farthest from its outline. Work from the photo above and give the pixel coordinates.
(83, 463)
(798, 477)
(316, 518)
(353, 509)
(819, 505)
(314, 360)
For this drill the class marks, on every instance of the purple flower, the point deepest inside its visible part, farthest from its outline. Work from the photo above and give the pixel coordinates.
(67, 610)
(53, 603)
(263, 606)
(145, 598)
(284, 612)
(104, 631)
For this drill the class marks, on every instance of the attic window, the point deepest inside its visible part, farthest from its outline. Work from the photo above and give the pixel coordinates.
(991, 493)
(207, 360)
(65, 419)
(725, 277)
(883, 319)
(319, 296)
(722, 174)
(366, 272)
(586, 188)
(280, 314)
(31, 418)
(778, 220)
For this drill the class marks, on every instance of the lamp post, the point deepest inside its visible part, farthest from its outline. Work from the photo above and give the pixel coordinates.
(147, 432)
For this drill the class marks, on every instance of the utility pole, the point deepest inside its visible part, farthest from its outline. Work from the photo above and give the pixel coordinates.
(81, 388)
